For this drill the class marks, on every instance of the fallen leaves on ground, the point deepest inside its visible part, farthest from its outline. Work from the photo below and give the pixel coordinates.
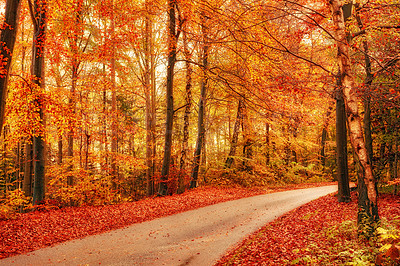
(308, 235)
(39, 229)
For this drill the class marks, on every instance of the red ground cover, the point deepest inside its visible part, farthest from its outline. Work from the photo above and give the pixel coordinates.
(285, 240)
(32, 231)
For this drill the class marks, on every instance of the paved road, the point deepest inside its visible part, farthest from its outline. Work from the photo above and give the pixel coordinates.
(198, 237)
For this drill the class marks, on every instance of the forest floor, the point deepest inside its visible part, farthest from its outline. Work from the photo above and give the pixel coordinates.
(308, 235)
(322, 232)
(31, 231)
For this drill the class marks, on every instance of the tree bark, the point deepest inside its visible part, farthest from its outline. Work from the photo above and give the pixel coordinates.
(267, 143)
(60, 150)
(235, 136)
(324, 136)
(72, 100)
(7, 41)
(104, 131)
(248, 139)
(40, 10)
(367, 93)
(341, 148)
(172, 42)
(368, 198)
(114, 115)
(188, 103)
(150, 114)
(28, 170)
(202, 101)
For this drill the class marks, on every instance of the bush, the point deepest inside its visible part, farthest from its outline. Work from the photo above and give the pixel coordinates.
(12, 203)
(88, 189)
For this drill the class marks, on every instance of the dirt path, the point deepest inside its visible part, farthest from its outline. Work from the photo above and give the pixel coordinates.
(197, 237)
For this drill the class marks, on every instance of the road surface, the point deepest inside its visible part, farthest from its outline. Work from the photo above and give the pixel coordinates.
(198, 237)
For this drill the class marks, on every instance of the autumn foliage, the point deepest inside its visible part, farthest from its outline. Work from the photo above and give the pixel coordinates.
(113, 101)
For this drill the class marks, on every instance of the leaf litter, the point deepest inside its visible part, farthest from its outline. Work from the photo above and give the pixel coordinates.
(47, 227)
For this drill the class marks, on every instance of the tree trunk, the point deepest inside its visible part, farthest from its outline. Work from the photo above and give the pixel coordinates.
(267, 143)
(28, 170)
(235, 136)
(324, 136)
(148, 65)
(248, 139)
(7, 42)
(40, 7)
(188, 102)
(368, 198)
(367, 93)
(341, 148)
(87, 144)
(172, 41)
(60, 150)
(104, 133)
(114, 115)
(71, 132)
(202, 101)
(72, 99)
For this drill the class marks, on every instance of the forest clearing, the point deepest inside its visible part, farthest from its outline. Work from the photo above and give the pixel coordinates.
(106, 103)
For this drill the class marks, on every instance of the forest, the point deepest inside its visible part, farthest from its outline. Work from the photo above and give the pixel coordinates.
(106, 101)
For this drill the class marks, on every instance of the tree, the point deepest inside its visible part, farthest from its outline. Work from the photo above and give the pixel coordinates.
(149, 84)
(39, 39)
(368, 198)
(173, 35)
(114, 114)
(188, 105)
(202, 103)
(341, 147)
(7, 41)
(235, 135)
(73, 38)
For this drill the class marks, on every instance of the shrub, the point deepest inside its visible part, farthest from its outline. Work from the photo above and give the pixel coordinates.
(88, 189)
(12, 203)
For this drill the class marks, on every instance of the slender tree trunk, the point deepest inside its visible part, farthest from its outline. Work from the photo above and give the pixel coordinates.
(28, 170)
(114, 122)
(87, 144)
(341, 148)
(60, 150)
(40, 9)
(153, 124)
(368, 197)
(267, 143)
(324, 137)
(72, 100)
(71, 132)
(148, 95)
(248, 139)
(188, 102)
(7, 41)
(203, 95)
(172, 41)
(4, 159)
(104, 133)
(367, 93)
(235, 136)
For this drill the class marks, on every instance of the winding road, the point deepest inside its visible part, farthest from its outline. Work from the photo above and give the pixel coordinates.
(197, 237)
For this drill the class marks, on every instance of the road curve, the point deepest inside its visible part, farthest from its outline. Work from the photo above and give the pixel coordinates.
(198, 237)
